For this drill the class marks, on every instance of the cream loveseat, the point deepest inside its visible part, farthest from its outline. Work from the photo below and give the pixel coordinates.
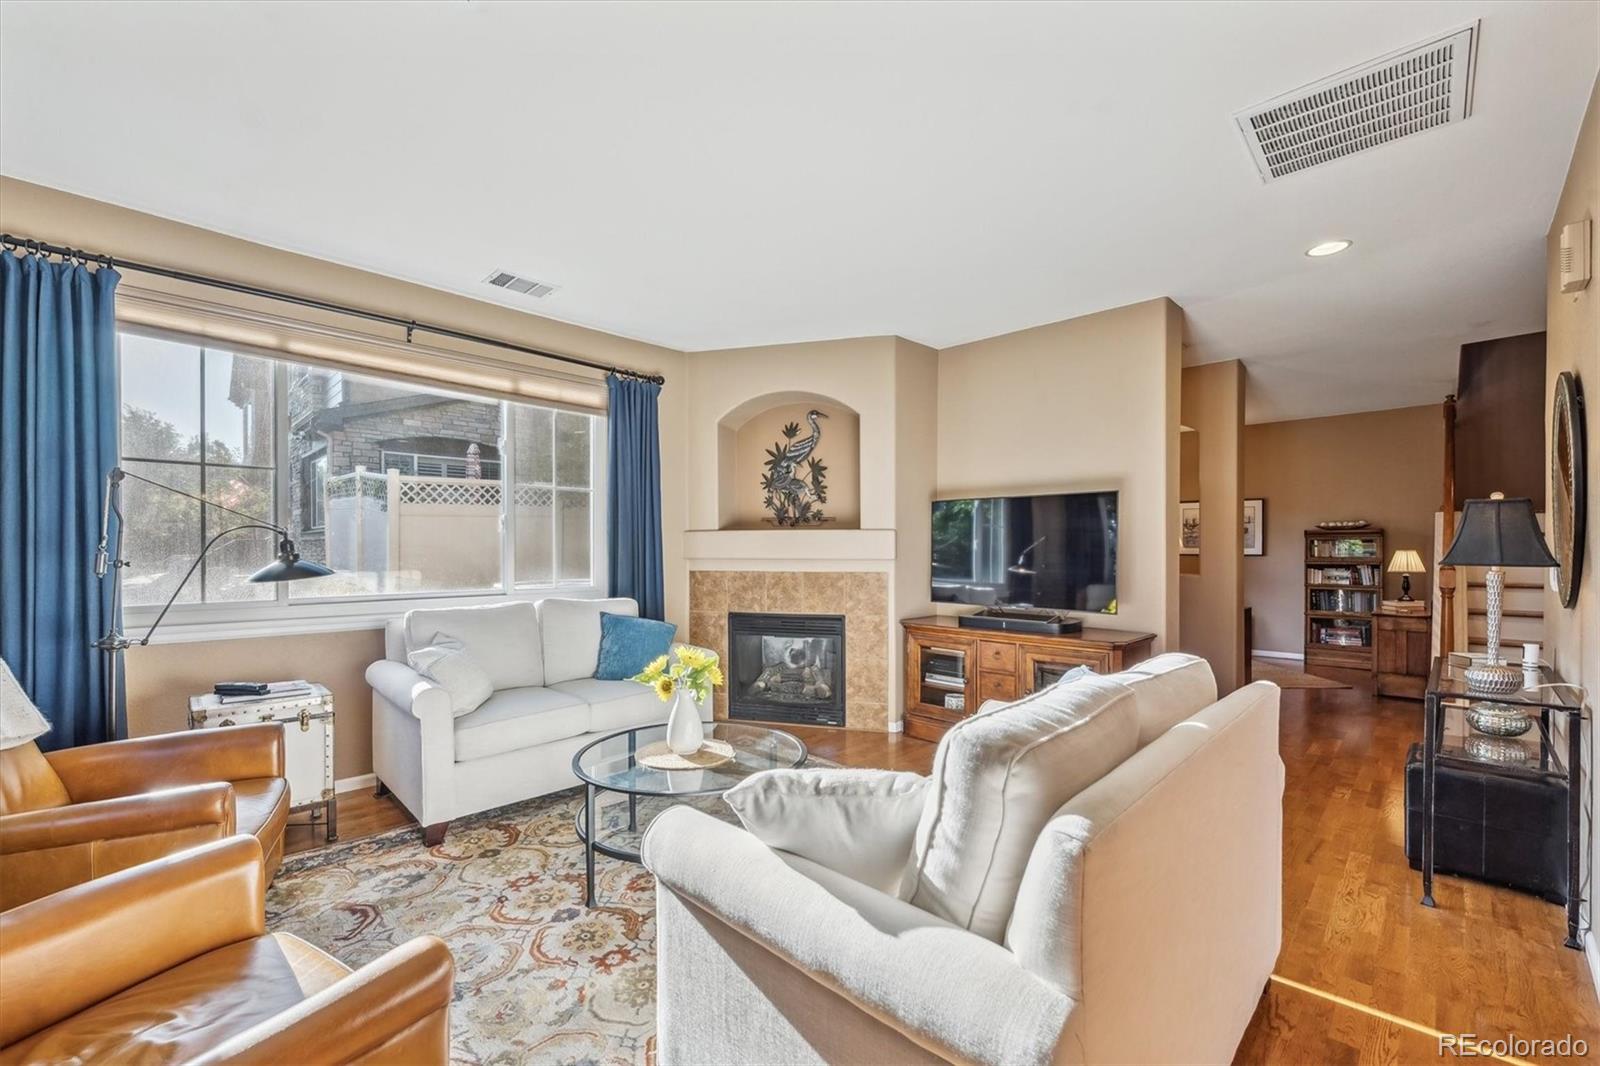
(1138, 923)
(540, 660)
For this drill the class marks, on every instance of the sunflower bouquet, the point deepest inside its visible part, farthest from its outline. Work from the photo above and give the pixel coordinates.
(695, 671)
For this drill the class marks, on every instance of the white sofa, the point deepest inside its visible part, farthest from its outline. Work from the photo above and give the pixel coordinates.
(518, 744)
(1144, 928)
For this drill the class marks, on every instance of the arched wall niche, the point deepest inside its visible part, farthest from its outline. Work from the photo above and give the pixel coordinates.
(747, 432)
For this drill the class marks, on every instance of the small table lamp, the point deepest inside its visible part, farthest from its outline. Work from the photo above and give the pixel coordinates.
(1405, 563)
(1497, 533)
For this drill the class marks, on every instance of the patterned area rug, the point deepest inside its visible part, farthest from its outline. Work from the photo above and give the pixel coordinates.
(539, 977)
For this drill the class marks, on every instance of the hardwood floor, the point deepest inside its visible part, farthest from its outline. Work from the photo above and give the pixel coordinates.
(1366, 974)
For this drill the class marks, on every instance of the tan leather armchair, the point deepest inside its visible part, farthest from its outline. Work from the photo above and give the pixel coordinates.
(171, 962)
(70, 816)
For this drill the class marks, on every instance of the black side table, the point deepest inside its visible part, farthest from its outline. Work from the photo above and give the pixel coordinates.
(1551, 704)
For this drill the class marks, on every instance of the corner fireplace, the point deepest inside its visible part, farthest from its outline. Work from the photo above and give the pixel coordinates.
(786, 668)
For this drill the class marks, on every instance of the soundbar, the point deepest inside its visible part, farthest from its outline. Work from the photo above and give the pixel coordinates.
(1022, 620)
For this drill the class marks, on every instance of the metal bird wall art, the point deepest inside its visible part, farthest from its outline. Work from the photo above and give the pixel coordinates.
(795, 483)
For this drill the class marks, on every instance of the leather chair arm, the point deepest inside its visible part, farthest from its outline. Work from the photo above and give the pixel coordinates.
(124, 767)
(407, 689)
(391, 997)
(124, 816)
(85, 944)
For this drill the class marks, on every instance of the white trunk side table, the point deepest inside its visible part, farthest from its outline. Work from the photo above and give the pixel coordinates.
(307, 743)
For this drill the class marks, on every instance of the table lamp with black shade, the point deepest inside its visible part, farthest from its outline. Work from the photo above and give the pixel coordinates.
(109, 560)
(1497, 533)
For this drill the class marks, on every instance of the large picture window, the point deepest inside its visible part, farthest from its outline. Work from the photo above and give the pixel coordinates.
(402, 490)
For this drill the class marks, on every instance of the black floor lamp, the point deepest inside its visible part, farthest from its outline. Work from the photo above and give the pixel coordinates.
(288, 566)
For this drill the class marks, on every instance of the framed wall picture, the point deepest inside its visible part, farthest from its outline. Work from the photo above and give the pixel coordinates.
(1189, 527)
(1255, 527)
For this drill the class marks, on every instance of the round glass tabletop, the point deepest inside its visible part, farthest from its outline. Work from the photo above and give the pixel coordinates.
(610, 762)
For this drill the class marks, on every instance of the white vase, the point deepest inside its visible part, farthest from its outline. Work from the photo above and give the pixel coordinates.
(685, 733)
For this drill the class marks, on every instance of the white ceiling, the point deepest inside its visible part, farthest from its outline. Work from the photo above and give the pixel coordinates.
(712, 175)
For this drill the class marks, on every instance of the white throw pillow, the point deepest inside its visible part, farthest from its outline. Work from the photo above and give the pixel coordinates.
(998, 777)
(1167, 689)
(502, 637)
(447, 664)
(857, 822)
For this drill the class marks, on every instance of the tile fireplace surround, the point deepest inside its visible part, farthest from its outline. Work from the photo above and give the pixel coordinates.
(861, 596)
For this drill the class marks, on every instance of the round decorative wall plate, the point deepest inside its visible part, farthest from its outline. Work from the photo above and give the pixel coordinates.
(1569, 500)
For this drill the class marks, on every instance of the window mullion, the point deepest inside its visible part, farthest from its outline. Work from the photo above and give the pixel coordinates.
(507, 446)
(280, 460)
(204, 516)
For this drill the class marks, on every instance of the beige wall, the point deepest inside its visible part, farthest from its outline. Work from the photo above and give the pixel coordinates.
(728, 386)
(1211, 597)
(840, 452)
(1384, 466)
(161, 678)
(1083, 405)
(1572, 636)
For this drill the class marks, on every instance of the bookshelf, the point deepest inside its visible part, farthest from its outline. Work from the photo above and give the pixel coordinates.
(1344, 589)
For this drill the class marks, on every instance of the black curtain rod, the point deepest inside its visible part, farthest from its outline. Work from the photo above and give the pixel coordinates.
(32, 247)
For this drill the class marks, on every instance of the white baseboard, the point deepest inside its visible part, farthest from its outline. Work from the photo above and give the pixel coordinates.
(355, 784)
(897, 727)
(1295, 655)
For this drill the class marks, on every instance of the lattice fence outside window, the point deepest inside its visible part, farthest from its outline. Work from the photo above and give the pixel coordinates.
(454, 492)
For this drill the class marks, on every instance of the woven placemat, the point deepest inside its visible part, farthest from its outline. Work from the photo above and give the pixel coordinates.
(712, 752)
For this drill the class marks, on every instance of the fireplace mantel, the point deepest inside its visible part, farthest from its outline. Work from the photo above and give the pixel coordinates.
(788, 545)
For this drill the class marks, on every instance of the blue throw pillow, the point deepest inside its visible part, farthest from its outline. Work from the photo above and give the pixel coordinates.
(629, 644)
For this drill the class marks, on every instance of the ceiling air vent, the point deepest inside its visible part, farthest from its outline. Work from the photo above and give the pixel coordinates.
(504, 279)
(1396, 96)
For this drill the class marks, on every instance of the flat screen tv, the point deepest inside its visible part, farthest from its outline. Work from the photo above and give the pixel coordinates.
(1057, 552)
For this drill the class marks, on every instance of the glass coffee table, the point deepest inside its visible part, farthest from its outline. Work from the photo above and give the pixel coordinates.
(609, 765)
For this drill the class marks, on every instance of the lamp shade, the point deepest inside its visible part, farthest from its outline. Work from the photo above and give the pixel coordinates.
(288, 566)
(1406, 561)
(1498, 532)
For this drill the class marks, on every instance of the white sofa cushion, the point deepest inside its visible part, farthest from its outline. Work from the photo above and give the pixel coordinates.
(1167, 689)
(518, 718)
(571, 633)
(998, 777)
(450, 667)
(857, 822)
(616, 705)
(502, 638)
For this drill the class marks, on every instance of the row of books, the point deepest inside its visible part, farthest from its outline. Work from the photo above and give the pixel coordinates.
(1406, 606)
(1342, 634)
(1342, 548)
(1343, 601)
(1343, 575)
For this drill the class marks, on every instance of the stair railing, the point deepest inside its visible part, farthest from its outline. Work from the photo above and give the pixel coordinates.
(1446, 578)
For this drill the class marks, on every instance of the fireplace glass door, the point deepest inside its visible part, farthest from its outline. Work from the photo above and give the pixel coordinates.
(786, 668)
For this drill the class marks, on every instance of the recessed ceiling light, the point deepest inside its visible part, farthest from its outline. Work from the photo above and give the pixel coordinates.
(1317, 251)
